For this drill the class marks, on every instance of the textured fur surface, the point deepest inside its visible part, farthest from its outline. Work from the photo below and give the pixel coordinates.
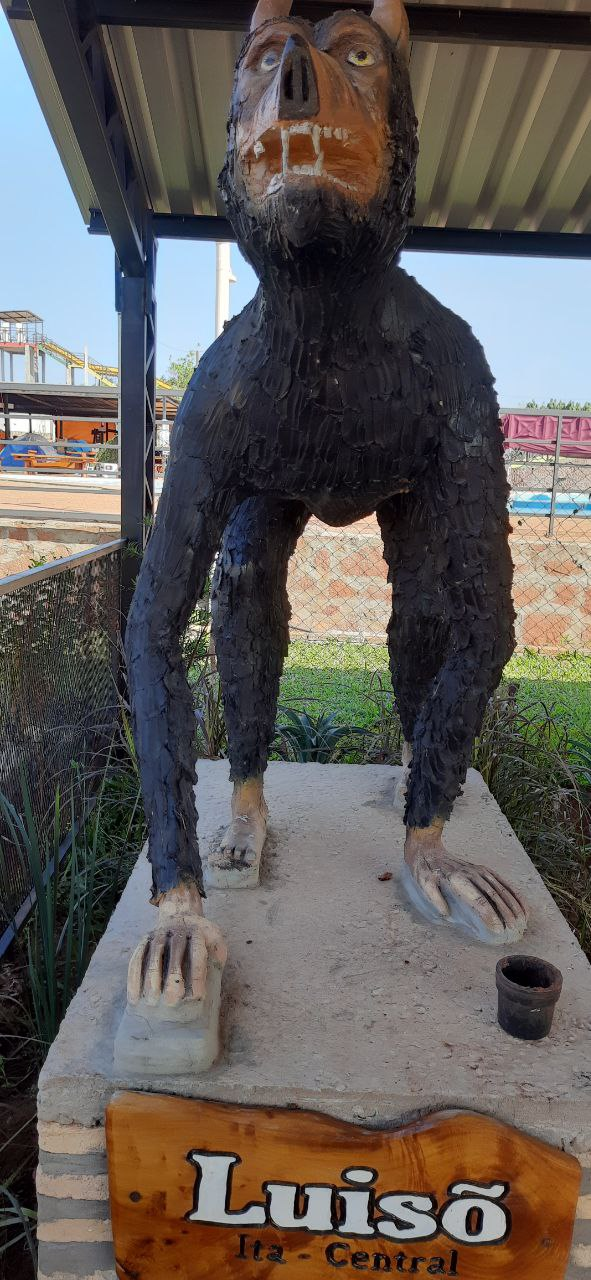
(343, 388)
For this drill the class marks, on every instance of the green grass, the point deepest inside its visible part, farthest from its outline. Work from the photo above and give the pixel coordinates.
(338, 676)
(562, 683)
(333, 676)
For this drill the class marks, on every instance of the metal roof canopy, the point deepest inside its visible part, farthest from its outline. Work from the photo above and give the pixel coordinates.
(17, 317)
(136, 93)
(49, 400)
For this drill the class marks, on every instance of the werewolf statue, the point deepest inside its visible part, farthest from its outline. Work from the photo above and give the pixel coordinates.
(342, 389)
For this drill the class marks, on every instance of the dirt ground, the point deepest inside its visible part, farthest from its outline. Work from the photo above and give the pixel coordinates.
(17, 497)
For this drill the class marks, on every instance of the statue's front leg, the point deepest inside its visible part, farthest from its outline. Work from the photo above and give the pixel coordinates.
(442, 885)
(470, 569)
(174, 980)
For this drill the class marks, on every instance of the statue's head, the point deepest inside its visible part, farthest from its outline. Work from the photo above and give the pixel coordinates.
(322, 135)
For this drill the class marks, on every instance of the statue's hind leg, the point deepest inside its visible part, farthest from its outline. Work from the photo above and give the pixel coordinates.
(416, 635)
(250, 616)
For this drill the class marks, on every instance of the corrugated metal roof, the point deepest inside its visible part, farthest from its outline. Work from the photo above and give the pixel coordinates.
(57, 401)
(17, 317)
(505, 137)
(505, 133)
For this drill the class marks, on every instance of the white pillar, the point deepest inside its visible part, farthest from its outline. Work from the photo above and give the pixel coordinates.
(223, 279)
(86, 366)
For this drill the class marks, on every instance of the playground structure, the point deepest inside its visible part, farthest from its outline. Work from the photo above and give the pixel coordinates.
(75, 418)
(22, 334)
(79, 423)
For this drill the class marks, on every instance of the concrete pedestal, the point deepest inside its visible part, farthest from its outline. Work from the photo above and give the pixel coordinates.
(337, 998)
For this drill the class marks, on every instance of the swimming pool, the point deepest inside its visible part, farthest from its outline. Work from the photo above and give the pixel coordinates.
(538, 504)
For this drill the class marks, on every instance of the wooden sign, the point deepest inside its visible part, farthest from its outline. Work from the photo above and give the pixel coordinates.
(203, 1189)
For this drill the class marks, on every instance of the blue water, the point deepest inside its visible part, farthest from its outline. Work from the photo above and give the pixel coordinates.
(538, 504)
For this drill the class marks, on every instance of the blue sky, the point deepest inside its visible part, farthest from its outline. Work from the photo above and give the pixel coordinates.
(532, 316)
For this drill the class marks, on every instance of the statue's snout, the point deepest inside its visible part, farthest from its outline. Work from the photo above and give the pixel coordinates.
(298, 86)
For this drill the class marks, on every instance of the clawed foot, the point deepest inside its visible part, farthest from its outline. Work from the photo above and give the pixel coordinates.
(171, 1025)
(171, 965)
(236, 862)
(463, 893)
(243, 842)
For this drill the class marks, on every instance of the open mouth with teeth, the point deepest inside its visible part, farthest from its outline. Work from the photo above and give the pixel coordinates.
(301, 150)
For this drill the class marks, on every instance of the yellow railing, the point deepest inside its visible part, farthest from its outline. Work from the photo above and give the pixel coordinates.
(107, 374)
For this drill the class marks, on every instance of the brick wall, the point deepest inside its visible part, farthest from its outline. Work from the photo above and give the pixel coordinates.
(337, 583)
(22, 546)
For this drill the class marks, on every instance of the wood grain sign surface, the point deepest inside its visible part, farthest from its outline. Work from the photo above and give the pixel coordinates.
(203, 1189)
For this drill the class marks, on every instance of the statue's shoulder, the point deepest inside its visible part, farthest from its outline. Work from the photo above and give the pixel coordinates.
(217, 379)
(431, 330)
(230, 349)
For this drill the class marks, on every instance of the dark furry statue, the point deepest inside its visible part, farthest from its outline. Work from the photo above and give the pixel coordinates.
(342, 389)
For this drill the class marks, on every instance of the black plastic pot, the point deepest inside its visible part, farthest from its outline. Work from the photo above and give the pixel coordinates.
(528, 990)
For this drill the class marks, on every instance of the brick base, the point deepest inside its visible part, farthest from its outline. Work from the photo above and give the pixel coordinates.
(74, 1226)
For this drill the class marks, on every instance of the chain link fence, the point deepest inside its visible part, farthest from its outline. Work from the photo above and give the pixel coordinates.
(338, 586)
(58, 696)
(341, 601)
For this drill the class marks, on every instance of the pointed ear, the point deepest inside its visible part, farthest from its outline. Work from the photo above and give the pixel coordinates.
(270, 9)
(390, 15)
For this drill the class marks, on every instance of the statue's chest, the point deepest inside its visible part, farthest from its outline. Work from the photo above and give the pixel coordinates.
(343, 379)
(339, 419)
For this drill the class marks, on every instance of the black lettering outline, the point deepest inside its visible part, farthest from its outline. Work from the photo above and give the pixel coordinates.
(206, 1222)
(359, 1185)
(300, 1194)
(329, 1253)
(471, 1195)
(390, 1217)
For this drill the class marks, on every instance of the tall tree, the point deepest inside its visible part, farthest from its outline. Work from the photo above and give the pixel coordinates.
(180, 371)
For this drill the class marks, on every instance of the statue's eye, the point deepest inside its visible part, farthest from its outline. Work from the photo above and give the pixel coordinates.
(269, 60)
(361, 58)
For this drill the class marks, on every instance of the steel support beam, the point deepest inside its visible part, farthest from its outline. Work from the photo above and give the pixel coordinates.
(136, 303)
(174, 226)
(78, 64)
(518, 244)
(551, 29)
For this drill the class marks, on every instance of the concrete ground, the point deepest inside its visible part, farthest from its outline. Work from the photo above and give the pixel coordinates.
(44, 498)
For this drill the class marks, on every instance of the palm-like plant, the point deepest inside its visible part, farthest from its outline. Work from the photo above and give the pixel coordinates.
(212, 739)
(305, 739)
(580, 755)
(18, 1223)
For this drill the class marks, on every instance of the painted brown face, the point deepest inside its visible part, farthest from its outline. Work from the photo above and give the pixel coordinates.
(312, 110)
(322, 145)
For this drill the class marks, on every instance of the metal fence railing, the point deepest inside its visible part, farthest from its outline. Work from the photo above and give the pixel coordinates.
(58, 694)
